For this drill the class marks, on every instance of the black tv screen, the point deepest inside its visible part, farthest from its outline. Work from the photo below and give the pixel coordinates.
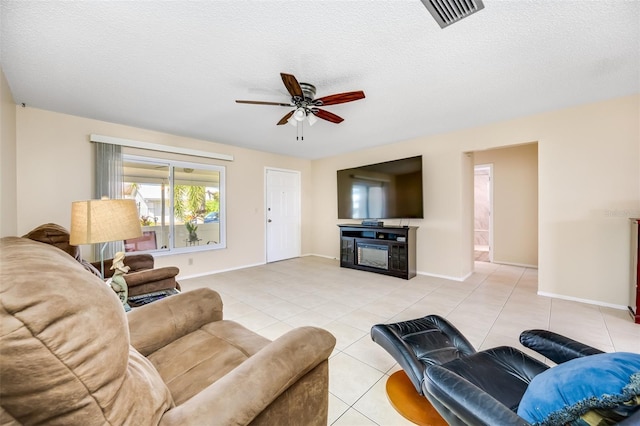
(389, 190)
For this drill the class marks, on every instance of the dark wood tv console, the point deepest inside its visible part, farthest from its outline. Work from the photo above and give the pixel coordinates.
(389, 250)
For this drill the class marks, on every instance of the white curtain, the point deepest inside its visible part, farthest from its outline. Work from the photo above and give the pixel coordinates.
(108, 183)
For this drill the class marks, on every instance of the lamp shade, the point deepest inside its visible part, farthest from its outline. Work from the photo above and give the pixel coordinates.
(100, 221)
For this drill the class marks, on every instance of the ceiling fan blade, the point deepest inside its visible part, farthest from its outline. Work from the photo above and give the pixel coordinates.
(326, 115)
(284, 119)
(263, 103)
(340, 98)
(292, 85)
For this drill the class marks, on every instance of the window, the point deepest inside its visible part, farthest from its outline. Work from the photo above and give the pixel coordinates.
(368, 200)
(180, 204)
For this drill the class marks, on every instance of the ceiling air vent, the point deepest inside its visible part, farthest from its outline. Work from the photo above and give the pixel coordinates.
(447, 12)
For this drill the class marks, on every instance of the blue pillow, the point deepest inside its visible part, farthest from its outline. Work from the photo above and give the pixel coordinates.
(563, 393)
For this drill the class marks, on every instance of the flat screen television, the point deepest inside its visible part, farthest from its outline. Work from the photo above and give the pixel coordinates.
(389, 190)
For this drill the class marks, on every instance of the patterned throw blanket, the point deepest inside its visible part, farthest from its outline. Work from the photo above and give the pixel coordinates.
(143, 299)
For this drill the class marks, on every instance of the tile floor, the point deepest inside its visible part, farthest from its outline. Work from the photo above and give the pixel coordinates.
(491, 308)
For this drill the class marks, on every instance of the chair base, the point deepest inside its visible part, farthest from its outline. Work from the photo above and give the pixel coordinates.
(409, 403)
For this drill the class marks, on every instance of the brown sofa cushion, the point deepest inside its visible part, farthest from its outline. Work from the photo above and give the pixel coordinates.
(208, 354)
(58, 236)
(64, 345)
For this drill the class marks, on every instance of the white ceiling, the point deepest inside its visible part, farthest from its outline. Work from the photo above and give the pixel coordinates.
(178, 66)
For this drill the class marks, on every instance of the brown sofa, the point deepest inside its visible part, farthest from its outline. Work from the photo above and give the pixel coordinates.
(70, 355)
(141, 279)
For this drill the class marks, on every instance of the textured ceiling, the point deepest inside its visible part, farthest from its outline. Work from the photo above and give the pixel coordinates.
(178, 66)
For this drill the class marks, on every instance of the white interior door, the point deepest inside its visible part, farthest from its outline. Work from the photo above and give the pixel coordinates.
(282, 214)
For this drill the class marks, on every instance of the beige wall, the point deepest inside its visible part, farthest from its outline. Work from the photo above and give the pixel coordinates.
(515, 202)
(8, 197)
(56, 165)
(589, 183)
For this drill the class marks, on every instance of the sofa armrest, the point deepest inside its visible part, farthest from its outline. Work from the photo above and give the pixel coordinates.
(157, 324)
(461, 399)
(554, 346)
(152, 280)
(136, 262)
(246, 391)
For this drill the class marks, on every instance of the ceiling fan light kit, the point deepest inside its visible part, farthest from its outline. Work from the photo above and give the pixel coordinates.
(311, 119)
(304, 104)
(300, 114)
(447, 12)
(303, 95)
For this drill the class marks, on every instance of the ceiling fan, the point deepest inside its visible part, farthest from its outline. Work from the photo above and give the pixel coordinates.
(304, 104)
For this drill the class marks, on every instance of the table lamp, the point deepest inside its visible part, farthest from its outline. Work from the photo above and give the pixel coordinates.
(103, 221)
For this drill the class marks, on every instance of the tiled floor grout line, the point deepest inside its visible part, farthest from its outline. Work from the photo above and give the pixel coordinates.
(384, 377)
(606, 325)
(503, 305)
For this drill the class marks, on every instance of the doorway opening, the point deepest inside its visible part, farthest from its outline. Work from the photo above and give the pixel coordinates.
(483, 218)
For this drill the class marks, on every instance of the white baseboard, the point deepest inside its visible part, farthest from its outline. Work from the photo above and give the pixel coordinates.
(319, 255)
(523, 265)
(219, 271)
(587, 301)
(446, 277)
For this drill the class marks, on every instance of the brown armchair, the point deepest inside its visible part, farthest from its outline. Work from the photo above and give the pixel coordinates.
(71, 356)
(141, 279)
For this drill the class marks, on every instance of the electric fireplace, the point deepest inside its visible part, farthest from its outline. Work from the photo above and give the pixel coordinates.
(373, 255)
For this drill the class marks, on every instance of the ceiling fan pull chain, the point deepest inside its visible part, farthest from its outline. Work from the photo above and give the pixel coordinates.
(300, 131)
